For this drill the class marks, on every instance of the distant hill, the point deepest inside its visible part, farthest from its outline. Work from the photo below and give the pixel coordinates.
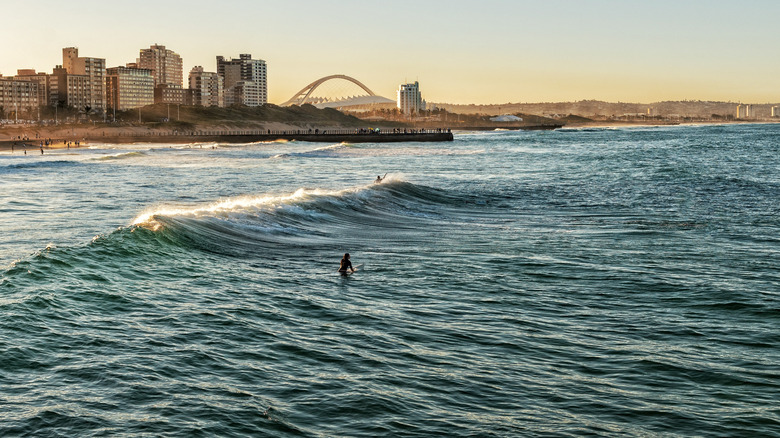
(483, 122)
(600, 109)
(572, 119)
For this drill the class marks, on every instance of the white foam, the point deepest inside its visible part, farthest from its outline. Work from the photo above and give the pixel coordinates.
(235, 206)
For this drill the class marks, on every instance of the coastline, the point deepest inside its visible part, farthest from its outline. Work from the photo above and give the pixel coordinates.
(86, 135)
(36, 137)
(617, 125)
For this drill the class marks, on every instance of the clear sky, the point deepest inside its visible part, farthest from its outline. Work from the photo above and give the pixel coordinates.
(460, 51)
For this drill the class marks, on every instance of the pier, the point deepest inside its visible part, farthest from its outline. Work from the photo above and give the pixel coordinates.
(242, 136)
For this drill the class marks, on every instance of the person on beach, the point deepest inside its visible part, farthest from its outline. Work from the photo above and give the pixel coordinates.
(345, 264)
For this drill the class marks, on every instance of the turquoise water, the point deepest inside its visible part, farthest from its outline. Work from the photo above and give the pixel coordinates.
(575, 282)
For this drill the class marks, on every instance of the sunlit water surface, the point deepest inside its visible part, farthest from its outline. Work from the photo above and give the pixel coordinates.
(575, 282)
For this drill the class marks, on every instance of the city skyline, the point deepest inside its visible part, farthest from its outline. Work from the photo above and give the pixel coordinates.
(459, 52)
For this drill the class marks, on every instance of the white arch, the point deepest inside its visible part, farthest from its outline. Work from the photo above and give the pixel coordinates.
(309, 89)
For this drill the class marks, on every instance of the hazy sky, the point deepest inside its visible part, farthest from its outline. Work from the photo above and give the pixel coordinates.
(460, 51)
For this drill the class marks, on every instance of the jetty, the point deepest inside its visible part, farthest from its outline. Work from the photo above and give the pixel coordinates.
(109, 136)
(256, 136)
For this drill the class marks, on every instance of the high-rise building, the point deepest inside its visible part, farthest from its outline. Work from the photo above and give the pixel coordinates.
(206, 87)
(740, 111)
(129, 87)
(775, 111)
(409, 98)
(41, 78)
(94, 70)
(70, 90)
(167, 72)
(18, 95)
(245, 80)
(246, 93)
(165, 64)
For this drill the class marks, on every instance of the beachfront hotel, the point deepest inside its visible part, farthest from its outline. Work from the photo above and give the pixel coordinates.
(167, 73)
(70, 90)
(409, 99)
(207, 88)
(80, 82)
(18, 95)
(129, 87)
(87, 75)
(41, 78)
(245, 80)
(165, 64)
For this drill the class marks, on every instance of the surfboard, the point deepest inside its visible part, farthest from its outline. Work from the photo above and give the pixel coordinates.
(348, 273)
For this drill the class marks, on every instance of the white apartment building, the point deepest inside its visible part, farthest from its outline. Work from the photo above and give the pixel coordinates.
(409, 98)
(129, 87)
(245, 80)
(207, 88)
(246, 93)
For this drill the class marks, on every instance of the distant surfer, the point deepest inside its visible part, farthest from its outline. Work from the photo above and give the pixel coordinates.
(345, 264)
(379, 179)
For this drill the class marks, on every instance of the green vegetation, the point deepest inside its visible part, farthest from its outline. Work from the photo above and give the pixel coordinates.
(573, 119)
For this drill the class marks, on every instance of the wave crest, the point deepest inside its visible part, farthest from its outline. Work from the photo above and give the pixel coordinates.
(226, 208)
(120, 156)
(305, 217)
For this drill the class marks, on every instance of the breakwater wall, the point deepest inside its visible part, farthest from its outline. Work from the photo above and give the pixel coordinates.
(326, 136)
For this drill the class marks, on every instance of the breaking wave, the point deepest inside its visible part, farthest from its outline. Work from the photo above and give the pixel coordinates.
(302, 218)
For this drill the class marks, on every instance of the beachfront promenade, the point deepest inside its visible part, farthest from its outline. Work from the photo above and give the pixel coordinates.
(253, 136)
(236, 137)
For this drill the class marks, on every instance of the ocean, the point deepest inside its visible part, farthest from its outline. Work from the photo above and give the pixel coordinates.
(576, 282)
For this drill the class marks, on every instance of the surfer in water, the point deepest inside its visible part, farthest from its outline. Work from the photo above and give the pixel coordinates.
(345, 264)
(379, 179)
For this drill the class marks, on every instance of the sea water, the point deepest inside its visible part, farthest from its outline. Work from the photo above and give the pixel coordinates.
(614, 282)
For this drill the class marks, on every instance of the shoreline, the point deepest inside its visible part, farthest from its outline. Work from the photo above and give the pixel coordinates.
(606, 125)
(618, 124)
(87, 135)
(233, 137)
